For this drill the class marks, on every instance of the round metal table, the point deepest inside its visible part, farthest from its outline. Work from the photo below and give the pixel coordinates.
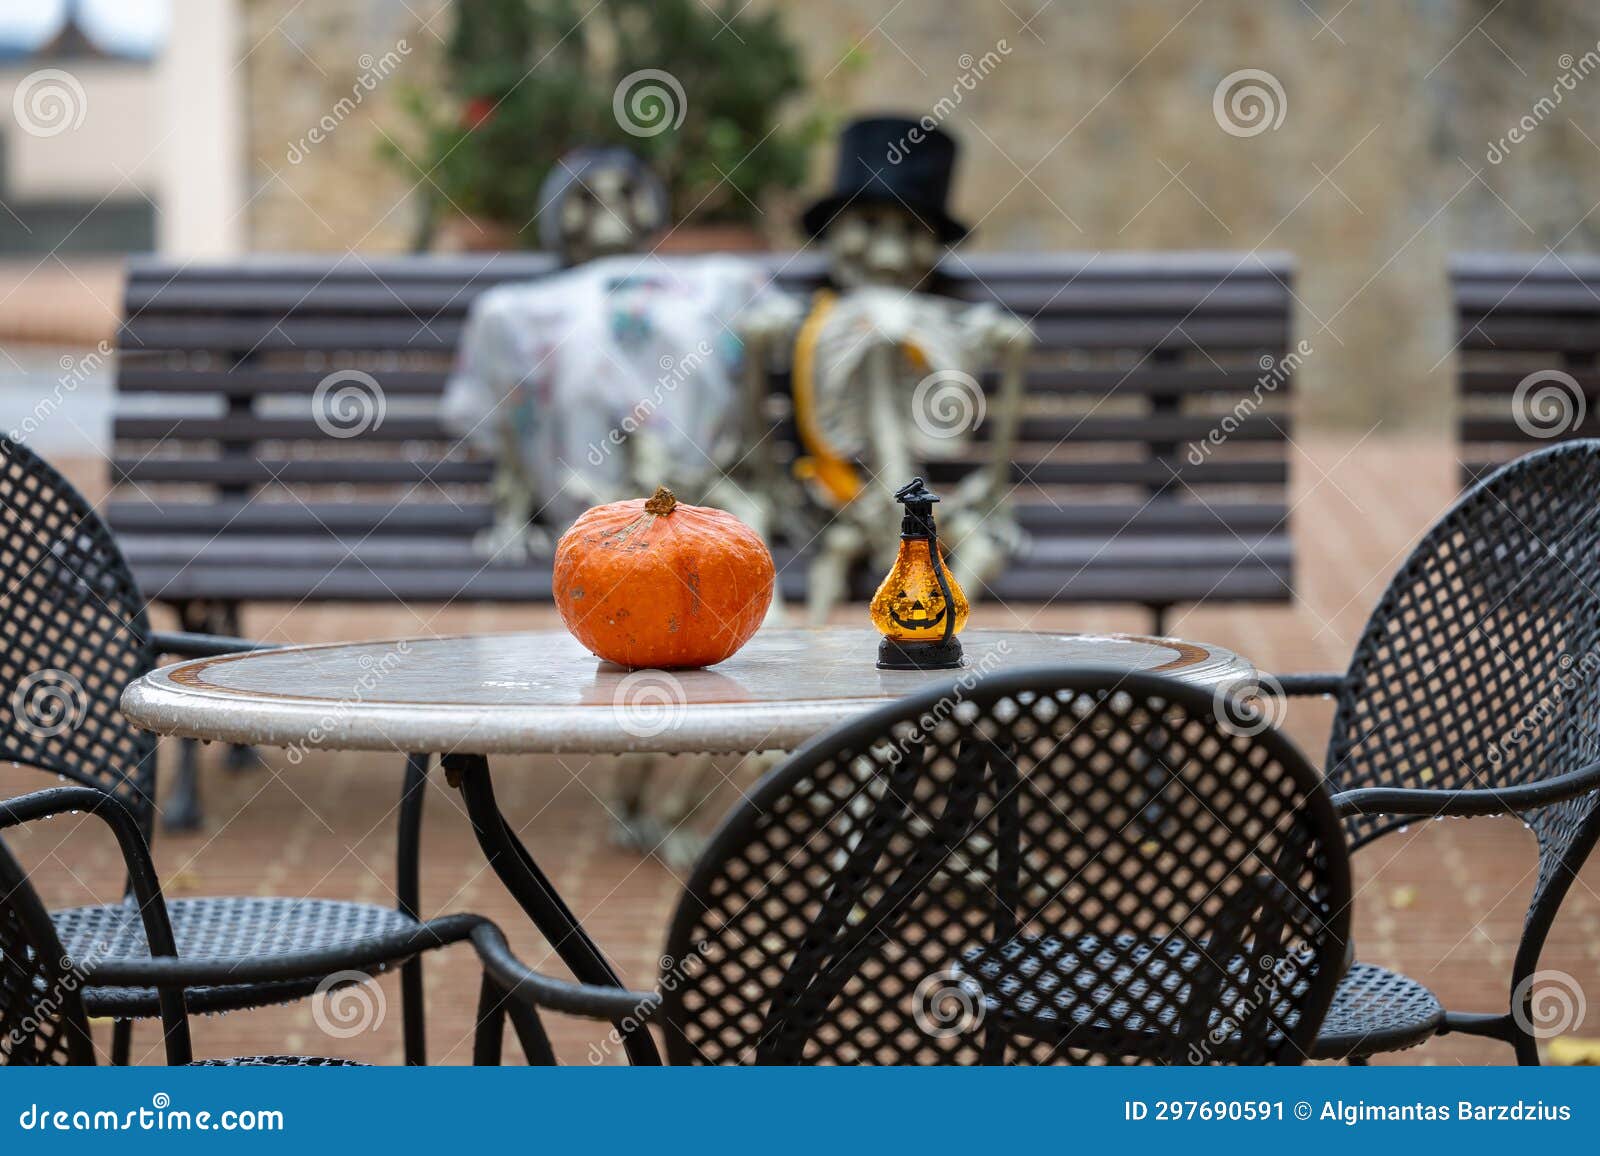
(465, 698)
(542, 693)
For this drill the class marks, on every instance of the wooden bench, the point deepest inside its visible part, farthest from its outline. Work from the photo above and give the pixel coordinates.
(1522, 319)
(227, 491)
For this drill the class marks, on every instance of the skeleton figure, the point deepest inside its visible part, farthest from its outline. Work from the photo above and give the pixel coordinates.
(599, 202)
(888, 379)
(885, 375)
(595, 203)
(599, 383)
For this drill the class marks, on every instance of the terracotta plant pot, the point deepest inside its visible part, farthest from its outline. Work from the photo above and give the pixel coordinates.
(458, 234)
(714, 238)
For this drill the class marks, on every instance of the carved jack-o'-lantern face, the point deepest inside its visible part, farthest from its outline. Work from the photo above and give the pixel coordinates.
(880, 245)
(917, 613)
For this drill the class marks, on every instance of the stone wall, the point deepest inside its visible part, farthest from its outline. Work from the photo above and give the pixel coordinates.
(1093, 127)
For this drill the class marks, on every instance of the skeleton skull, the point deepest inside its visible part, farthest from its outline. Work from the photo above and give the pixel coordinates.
(600, 203)
(880, 245)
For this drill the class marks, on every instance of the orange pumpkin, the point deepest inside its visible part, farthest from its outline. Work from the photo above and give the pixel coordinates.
(660, 583)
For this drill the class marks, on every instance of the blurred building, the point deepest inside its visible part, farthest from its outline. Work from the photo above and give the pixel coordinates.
(261, 125)
(124, 134)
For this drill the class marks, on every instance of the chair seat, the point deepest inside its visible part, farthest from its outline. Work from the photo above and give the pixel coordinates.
(249, 927)
(276, 1062)
(1094, 989)
(1377, 1010)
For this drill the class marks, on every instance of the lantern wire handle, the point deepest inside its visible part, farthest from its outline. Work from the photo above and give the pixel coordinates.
(918, 501)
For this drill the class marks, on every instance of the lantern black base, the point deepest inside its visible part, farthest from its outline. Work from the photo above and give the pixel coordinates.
(945, 654)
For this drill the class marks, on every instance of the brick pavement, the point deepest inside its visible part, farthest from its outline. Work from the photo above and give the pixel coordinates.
(1443, 902)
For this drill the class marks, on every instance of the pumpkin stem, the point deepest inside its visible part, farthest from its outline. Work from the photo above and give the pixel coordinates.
(661, 503)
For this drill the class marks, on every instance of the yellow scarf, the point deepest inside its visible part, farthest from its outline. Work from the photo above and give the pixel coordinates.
(834, 476)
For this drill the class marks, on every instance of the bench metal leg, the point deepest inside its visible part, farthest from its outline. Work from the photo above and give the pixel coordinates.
(240, 757)
(633, 827)
(182, 812)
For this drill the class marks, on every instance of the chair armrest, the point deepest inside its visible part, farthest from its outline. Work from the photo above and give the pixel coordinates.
(185, 644)
(1424, 803)
(141, 878)
(1297, 685)
(135, 851)
(194, 971)
(542, 991)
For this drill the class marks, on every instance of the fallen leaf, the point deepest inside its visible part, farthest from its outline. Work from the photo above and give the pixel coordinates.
(1573, 1051)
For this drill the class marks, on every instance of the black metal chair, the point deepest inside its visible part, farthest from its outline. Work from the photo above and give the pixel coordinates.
(1475, 690)
(77, 634)
(44, 1017)
(1058, 866)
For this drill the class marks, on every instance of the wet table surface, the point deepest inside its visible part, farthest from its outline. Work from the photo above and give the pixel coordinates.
(542, 692)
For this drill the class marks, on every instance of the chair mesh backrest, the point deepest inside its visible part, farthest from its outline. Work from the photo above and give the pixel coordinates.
(76, 634)
(1059, 866)
(42, 1019)
(1480, 666)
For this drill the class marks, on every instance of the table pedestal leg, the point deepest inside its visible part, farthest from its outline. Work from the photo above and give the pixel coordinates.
(533, 891)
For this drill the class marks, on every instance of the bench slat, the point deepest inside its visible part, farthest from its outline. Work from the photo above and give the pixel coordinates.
(1041, 471)
(1505, 381)
(471, 268)
(1153, 428)
(149, 377)
(244, 471)
(443, 334)
(1501, 333)
(1485, 429)
(1246, 579)
(428, 301)
(1167, 552)
(156, 521)
(146, 376)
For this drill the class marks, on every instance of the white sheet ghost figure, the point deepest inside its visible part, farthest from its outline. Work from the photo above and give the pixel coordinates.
(601, 382)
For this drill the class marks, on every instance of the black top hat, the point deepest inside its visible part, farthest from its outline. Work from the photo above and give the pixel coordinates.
(892, 160)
